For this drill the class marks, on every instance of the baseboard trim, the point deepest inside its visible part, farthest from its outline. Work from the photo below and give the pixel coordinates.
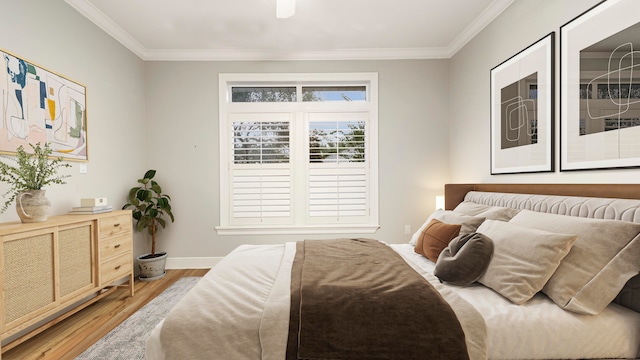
(191, 262)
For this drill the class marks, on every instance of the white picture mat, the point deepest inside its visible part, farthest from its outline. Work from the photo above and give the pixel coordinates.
(618, 148)
(534, 157)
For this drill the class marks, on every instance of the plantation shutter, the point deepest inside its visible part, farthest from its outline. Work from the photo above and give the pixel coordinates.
(337, 192)
(261, 171)
(338, 168)
(298, 153)
(261, 193)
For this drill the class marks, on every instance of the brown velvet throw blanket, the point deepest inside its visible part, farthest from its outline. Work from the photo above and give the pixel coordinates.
(358, 299)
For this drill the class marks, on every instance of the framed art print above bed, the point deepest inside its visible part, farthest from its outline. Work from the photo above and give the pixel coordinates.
(522, 110)
(600, 88)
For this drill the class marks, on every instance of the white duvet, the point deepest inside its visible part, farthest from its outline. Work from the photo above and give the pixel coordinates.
(226, 312)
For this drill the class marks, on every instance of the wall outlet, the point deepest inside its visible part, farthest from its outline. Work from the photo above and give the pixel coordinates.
(407, 229)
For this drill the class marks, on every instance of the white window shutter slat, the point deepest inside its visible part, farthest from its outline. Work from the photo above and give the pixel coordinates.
(338, 192)
(260, 193)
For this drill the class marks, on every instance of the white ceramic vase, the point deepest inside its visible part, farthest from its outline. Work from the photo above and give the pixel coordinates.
(32, 206)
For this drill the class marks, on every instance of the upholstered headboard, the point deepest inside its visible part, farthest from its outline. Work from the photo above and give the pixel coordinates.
(599, 201)
(455, 193)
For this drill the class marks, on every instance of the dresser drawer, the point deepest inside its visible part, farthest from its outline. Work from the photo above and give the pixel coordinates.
(114, 225)
(115, 246)
(115, 268)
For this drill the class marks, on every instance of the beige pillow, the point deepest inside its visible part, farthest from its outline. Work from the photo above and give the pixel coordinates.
(523, 258)
(469, 224)
(488, 212)
(605, 256)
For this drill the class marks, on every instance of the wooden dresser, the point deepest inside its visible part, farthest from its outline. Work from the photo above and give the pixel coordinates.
(52, 266)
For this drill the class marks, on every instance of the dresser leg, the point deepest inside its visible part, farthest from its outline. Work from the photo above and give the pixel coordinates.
(131, 285)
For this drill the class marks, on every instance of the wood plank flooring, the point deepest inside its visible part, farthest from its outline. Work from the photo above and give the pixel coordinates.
(71, 337)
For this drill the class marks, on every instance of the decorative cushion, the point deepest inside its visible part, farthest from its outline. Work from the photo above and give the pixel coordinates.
(434, 238)
(465, 259)
(523, 258)
(486, 211)
(469, 223)
(603, 259)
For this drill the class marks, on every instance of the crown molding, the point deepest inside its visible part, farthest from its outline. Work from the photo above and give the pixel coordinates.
(88, 10)
(485, 18)
(271, 55)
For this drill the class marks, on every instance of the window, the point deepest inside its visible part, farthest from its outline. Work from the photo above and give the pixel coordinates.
(256, 142)
(263, 94)
(298, 153)
(334, 93)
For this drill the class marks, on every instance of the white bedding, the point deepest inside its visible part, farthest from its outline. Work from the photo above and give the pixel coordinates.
(539, 329)
(241, 283)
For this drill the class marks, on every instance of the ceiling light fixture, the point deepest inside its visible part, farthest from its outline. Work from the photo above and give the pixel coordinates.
(285, 8)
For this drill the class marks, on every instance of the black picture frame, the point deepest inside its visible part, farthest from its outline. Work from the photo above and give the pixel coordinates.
(600, 88)
(522, 110)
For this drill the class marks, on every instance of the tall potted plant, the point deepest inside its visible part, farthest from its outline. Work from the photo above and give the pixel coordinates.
(32, 172)
(150, 207)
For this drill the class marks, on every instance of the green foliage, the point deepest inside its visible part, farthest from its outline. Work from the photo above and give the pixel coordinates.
(346, 144)
(149, 206)
(32, 171)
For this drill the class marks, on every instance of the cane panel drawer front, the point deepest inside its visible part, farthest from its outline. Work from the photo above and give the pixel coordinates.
(47, 267)
(76, 249)
(28, 286)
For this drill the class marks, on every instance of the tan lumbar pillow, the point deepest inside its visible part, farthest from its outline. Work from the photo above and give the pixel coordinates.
(469, 223)
(435, 237)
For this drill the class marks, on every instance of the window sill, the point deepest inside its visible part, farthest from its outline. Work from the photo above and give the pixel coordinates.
(297, 230)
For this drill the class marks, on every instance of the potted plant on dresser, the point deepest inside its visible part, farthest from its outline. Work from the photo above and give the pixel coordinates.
(150, 209)
(32, 172)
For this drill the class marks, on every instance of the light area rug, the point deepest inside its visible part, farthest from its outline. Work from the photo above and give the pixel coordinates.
(127, 340)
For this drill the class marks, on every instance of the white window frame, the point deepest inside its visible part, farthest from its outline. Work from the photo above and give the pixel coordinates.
(298, 112)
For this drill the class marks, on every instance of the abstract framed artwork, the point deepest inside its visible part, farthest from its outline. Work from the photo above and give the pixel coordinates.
(600, 88)
(40, 106)
(522, 110)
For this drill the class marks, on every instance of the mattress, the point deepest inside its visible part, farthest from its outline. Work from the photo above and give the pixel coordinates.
(234, 293)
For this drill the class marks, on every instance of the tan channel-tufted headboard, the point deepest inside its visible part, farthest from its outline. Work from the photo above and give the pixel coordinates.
(599, 201)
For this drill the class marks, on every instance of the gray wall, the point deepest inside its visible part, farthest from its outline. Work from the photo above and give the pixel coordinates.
(53, 35)
(433, 118)
(520, 25)
(164, 115)
(182, 112)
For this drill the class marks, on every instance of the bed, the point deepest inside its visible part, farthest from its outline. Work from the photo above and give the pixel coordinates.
(551, 286)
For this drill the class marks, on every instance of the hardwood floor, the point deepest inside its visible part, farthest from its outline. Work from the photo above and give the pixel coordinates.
(71, 337)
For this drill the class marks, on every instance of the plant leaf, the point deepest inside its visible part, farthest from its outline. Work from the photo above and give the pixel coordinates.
(149, 174)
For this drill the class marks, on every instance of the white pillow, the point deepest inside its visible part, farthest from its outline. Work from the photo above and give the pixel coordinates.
(469, 223)
(605, 256)
(486, 211)
(523, 258)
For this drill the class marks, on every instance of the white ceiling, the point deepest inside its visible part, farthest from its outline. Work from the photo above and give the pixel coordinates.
(319, 30)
